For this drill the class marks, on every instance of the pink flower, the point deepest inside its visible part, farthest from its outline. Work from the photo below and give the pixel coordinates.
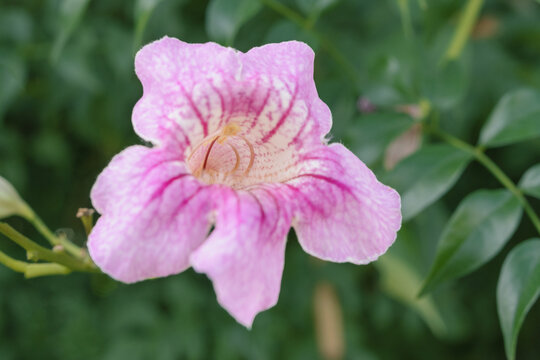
(238, 144)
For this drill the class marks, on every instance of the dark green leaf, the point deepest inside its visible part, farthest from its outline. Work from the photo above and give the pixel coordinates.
(530, 182)
(425, 176)
(444, 83)
(483, 222)
(70, 14)
(449, 84)
(517, 290)
(515, 118)
(225, 17)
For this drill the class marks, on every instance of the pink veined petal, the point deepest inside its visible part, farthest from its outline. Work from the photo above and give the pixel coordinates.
(153, 215)
(244, 255)
(191, 91)
(182, 101)
(286, 70)
(342, 212)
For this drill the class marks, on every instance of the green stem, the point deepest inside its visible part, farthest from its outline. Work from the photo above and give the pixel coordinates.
(46, 269)
(307, 25)
(32, 270)
(15, 265)
(464, 28)
(39, 252)
(405, 14)
(55, 240)
(493, 169)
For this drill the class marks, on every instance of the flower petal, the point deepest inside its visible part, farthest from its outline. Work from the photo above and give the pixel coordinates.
(181, 101)
(343, 213)
(284, 115)
(153, 215)
(244, 255)
(192, 91)
(292, 112)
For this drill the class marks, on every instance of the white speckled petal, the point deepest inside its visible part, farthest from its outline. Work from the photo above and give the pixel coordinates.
(155, 214)
(342, 212)
(244, 255)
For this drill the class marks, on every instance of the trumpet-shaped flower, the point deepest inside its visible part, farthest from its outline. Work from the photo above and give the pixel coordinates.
(239, 156)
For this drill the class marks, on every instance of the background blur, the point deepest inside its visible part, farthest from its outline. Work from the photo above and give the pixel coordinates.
(67, 89)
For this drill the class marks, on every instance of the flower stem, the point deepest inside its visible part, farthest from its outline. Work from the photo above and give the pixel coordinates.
(405, 13)
(45, 269)
(465, 25)
(15, 265)
(496, 171)
(32, 270)
(36, 251)
(53, 239)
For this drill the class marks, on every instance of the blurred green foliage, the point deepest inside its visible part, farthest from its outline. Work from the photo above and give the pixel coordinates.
(67, 88)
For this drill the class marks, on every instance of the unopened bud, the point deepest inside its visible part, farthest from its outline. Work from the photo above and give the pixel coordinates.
(10, 201)
(58, 249)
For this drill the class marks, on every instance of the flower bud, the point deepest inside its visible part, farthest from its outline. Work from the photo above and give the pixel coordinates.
(10, 201)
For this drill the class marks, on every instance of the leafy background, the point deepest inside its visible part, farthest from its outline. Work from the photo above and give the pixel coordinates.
(67, 88)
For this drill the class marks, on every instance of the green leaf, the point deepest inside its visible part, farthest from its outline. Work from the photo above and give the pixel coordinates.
(448, 86)
(370, 134)
(143, 11)
(70, 14)
(517, 290)
(225, 17)
(515, 118)
(444, 83)
(530, 182)
(483, 222)
(425, 176)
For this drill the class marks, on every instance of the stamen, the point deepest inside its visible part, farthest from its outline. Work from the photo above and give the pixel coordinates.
(237, 159)
(216, 172)
(251, 154)
(201, 144)
(208, 153)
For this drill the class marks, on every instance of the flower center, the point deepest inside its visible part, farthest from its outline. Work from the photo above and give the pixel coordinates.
(223, 157)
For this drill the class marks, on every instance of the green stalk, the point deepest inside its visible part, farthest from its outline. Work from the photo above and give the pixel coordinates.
(35, 270)
(463, 31)
(15, 265)
(493, 169)
(405, 14)
(36, 251)
(32, 270)
(53, 239)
